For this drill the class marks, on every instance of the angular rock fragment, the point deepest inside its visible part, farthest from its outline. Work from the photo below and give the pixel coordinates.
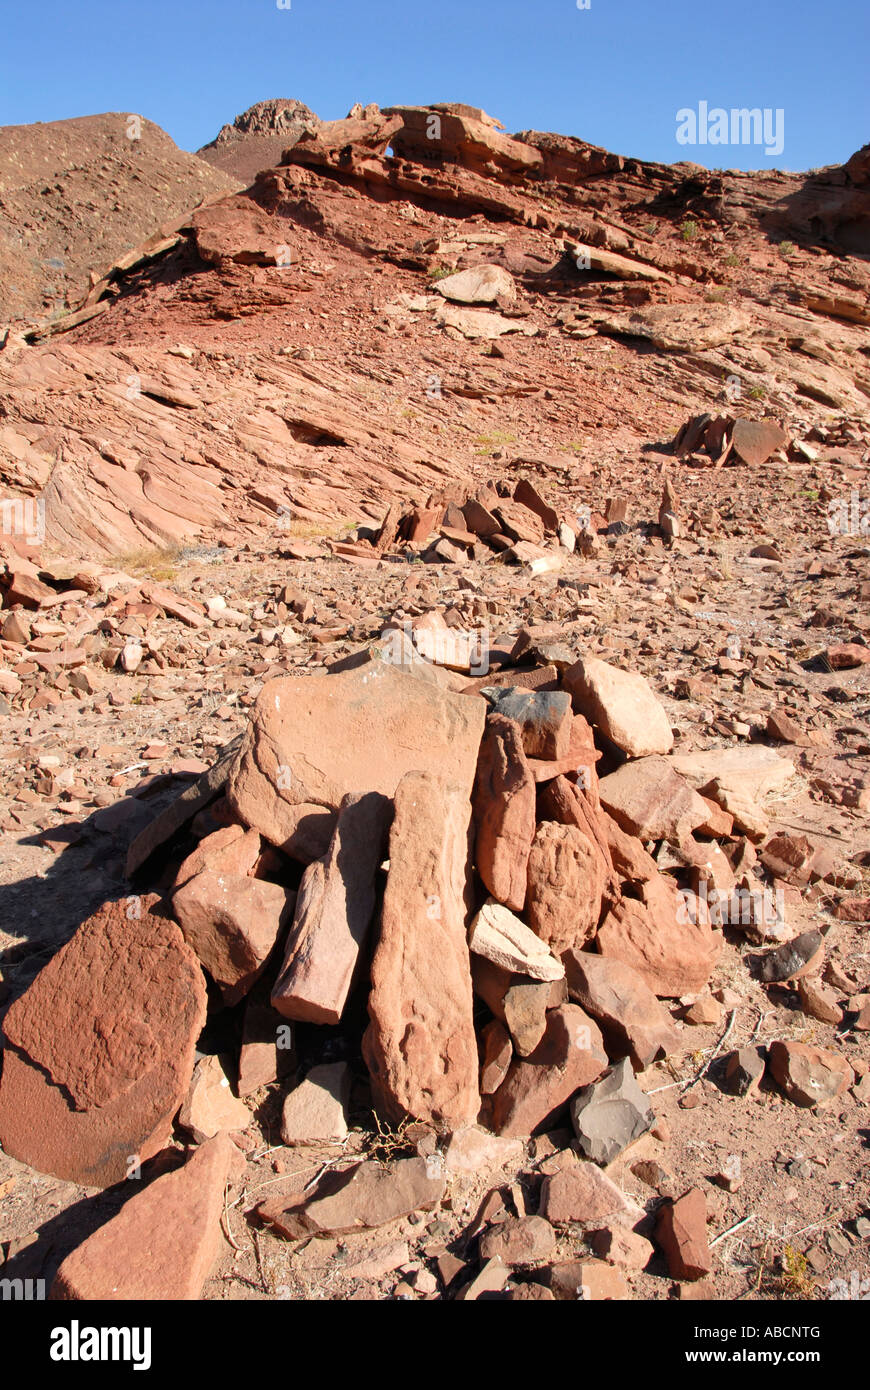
(231, 849)
(366, 1195)
(809, 1075)
(334, 909)
(744, 1069)
(570, 1054)
(504, 812)
(500, 937)
(649, 799)
(681, 1231)
(657, 938)
(620, 1246)
(101, 1047)
(420, 1046)
(316, 1109)
(622, 704)
(481, 284)
(268, 1045)
(519, 1002)
(803, 955)
(522, 1240)
(473, 1150)
(756, 440)
(629, 1015)
(580, 1192)
(819, 1001)
(738, 779)
(232, 922)
(164, 1240)
(210, 1107)
(496, 1053)
(611, 1114)
(182, 810)
(590, 1280)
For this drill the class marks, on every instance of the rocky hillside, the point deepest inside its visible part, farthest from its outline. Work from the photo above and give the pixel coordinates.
(258, 137)
(75, 195)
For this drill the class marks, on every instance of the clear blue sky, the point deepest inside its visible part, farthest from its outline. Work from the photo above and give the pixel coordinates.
(614, 74)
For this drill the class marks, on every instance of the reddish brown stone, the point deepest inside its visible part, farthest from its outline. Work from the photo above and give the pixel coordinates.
(518, 1001)
(164, 1240)
(681, 1231)
(622, 704)
(845, 656)
(581, 1192)
(809, 1075)
(230, 850)
(658, 939)
(363, 1196)
(232, 922)
(570, 1055)
(420, 1046)
(518, 1241)
(314, 739)
(631, 863)
(630, 1016)
(504, 812)
(334, 910)
(529, 496)
(497, 1052)
(590, 1280)
(101, 1047)
(565, 886)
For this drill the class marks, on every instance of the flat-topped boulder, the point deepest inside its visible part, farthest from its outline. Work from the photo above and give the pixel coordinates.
(314, 739)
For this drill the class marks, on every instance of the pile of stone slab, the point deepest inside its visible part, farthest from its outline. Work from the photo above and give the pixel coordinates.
(510, 520)
(730, 439)
(395, 837)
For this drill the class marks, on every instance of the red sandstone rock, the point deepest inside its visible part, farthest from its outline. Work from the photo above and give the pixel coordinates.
(631, 1018)
(164, 1240)
(565, 886)
(581, 1192)
(230, 850)
(232, 922)
(522, 1240)
(681, 1231)
(570, 1055)
(313, 739)
(658, 939)
(809, 1075)
(622, 704)
(504, 812)
(334, 909)
(366, 1195)
(420, 1045)
(101, 1047)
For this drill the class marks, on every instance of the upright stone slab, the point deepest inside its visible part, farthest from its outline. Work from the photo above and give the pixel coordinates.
(504, 812)
(420, 1046)
(334, 910)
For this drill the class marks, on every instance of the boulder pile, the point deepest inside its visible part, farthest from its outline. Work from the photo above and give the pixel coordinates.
(452, 870)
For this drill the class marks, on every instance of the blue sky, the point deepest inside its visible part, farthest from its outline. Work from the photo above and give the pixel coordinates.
(615, 74)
